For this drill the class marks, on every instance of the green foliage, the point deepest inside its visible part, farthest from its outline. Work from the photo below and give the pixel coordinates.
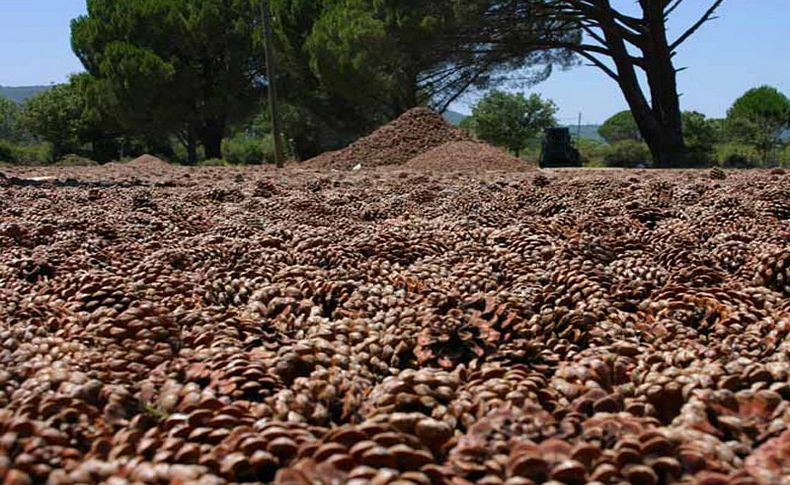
(55, 116)
(243, 149)
(73, 160)
(531, 151)
(399, 53)
(719, 126)
(758, 118)
(699, 157)
(783, 156)
(594, 163)
(7, 151)
(9, 120)
(65, 116)
(468, 125)
(620, 127)
(180, 154)
(153, 411)
(25, 154)
(164, 66)
(737, 155)
(213, 162)
(592, 151)
(349, 48)
(352, 65)
(698, 130)
(327, 106)
(511, 120)
(701, 134)
(627, 154)
(34, 153)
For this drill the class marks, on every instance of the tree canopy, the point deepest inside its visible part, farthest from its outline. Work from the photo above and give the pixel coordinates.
(511, 120)
(413, 52)
(621, 126)
(759, 118)
(351, 65)
(699, 130)
(626, 47)
(55, 116)
(66, 117)
(174, 66)
(195, 69)
(9, 119)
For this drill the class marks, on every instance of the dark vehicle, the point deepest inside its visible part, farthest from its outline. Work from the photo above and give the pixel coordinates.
(558, 150)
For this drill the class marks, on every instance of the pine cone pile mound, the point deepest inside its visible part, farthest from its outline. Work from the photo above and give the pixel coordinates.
(164, 324)
(413, 133)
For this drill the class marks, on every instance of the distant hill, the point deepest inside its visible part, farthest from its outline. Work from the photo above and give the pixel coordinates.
(587, 131)
(21, 93)
(454, 117)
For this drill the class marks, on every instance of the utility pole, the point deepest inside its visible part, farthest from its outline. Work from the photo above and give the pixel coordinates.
(271, 76)
(579, 127)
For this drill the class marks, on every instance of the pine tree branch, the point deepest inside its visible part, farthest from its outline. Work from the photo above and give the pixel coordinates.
(708, 16)
(670, 7)
(600, 65)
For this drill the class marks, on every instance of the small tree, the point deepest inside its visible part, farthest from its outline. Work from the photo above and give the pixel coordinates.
(701, 134)
(620, 127)
(699, 130)
(511, 120)
(9, 120)
(468, 125)
(627, 154)
(174, 66)
(759, 118)
(55, 116)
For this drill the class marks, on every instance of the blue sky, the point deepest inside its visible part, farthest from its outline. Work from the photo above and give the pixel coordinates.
(748, 45)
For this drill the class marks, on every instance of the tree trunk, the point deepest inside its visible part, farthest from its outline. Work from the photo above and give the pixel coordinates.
(188, 139)
(668, 146)
(192, 156)
(211, 134)
(659, 120)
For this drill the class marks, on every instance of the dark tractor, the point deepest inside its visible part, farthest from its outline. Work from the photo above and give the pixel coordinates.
(558, 149)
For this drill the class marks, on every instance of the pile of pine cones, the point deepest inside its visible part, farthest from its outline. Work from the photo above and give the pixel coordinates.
(242, 325)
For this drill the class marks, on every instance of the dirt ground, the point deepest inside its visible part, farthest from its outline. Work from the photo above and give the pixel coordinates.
(164, 324)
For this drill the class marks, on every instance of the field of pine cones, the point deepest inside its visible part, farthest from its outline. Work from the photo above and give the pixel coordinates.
(224, 325)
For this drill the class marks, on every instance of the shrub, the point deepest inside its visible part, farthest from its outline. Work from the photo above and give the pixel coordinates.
(700, 157)
(627, 154)
(620, 127)
(72, 160)
(737, 155)
(245, 150)
(39, 154)
(784, 156)
(592, 151)
(737, 160)
(180, 153)
(7, 151)
(532, 150)
(213, 162)
(593, 163)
